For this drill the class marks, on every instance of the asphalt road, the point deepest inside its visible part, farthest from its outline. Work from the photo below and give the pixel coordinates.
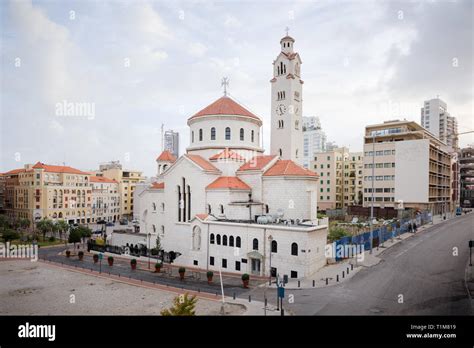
(419, 276)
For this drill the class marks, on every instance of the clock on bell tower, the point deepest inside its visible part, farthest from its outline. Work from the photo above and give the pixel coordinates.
(286, 104)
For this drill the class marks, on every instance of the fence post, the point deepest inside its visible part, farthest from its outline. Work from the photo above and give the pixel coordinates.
(298, 283)
(342, 274)
(337, 277)
(326, 281)
(352, 266)
(250, 298)
(314, 281)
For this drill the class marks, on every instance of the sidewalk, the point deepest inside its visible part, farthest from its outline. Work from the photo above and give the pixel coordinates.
(346, 269)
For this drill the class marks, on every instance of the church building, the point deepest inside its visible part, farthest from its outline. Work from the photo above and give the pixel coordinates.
(227, 205)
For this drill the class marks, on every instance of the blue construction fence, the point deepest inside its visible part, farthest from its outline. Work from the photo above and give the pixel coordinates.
(383, 233)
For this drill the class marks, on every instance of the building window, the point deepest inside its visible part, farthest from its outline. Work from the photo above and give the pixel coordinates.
(237, 265)
(255, 244)
(192, 136)
(212, 238)
(200, 135)
(237, 242)
(211, 260)
(224, 240)
(267, 209)
(224, 263)
(221, 208)
(252, 136)
(227, 133)
(274, 246)
(281, 152)
(231, 241)
(294, 249)
(242, 134)
(154, 206)
(218, 238)
(209, 210)
(294, 274)
(213, 133)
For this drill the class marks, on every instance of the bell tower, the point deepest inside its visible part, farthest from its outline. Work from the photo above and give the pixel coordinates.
(286, 104)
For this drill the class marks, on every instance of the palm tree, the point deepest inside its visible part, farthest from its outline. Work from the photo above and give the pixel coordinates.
(182, 306)
(61, 226)
(45, 226)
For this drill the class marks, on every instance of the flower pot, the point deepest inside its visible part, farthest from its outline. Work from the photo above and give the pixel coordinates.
(245, 283)
(209, 280)
(181, 275)
(111, 262)
(133, 265)
(81, 257)
(68, 253)
(157, 269)
(95, 258)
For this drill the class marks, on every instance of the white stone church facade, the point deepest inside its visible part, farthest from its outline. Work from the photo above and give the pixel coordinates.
(225, 204)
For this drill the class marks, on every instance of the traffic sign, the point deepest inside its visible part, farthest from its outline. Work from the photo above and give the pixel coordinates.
(281, 292)
(101, 256)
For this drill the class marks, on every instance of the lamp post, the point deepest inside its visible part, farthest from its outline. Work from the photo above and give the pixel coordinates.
(148, 250)
(372, 193)
(270, 239)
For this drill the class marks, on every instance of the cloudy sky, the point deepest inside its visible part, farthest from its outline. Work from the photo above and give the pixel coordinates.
(139, 64)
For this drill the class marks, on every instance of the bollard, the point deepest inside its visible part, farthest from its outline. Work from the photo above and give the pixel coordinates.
(266, 302)
(298, 283)
(314, 283)
(342, 274)
(233, 296)
(352, 266)
(326, 281)
(337, 278)
(347, 270)
(250, 298)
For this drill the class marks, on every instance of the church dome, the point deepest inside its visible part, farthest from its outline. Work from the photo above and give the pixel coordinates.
(224, 106)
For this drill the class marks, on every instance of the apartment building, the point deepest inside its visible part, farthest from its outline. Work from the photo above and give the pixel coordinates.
(340, 178)
(404, 162)
(436, 119)
(466, 166)
(127, 179)
(105, 199)
(48, 191)
(314, 139)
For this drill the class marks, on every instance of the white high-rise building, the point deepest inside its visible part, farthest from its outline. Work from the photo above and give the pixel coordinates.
(286, 104)
(314, 139)
(436, 118)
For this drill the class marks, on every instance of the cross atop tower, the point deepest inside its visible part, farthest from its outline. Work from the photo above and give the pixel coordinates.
(225, 84)
(287, 30)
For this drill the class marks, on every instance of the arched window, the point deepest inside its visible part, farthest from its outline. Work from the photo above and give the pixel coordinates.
(281, 152)
(213, 133)
(154, 206)
(212, 238)
(192, 136)
(255, 244)
(227, 133)
(252, 136)
(224, 240)
(163, 207)
(278, 70)
(209, 211)
(154, 228)
(237, 242)
(294, 249)
(241, 134)
(296, 153)
(274, 246)
(196, 238)
(266, 209)
(218, 239)
(162, 229)
(221, 207)
(231, 241)
(200, 134)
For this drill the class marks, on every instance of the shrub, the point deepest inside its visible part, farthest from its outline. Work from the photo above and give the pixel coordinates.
(210, 274)
(110, 258)
(68, 253)
(336, 233)
(80, 253)
(182, 270)
(133, 261)
(52, 239)
(245, 277)
(183, 306)
(159, 264)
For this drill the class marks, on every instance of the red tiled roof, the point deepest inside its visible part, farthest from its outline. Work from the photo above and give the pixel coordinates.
(288, 168)
(227, 154)
(257, 162)
(15, 171)
(102, 179)
(225, 106)
(58, 169)
(201, 162)
(228, 182)
(166, 156)
(202, 216)
(158, 185)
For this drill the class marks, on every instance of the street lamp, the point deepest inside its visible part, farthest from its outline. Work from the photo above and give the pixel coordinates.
(148, 250)
(270, 239)
(372, 199)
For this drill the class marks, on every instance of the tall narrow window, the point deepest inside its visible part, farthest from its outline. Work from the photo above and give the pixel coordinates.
(294, 249)
(212, 238)
(224, 240)
(237, 242)
(179, 203)
(200, 134)
(255, 244)
(192, 136)
(252, 135)
(213, 133)
(231, 241)
(241, 134)
(281, 152)
(188, 199)
(218, 239)
(227, 133)
(221, 207)
(274, 246)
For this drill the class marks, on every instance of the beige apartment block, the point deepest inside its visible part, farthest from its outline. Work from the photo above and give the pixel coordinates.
(105, 199)
(48, 191)
(128, 180)
(410, 166)
(340, 178)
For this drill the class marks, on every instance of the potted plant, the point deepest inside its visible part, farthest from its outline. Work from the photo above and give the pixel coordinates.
(245, 280)
(95, 258)
(81, 255)
(133, 263)
(158, 266)
(68, 253)
(110, 260)
(209, 274)
(182, 270)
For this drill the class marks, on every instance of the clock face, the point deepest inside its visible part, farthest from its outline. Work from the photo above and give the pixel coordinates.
(281, 109)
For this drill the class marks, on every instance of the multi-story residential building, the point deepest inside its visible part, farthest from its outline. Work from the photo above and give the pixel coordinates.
(436, 118)
(171, 142)
(2, 192)
(105, 199)
(340, 178)
(314, 139)
(331, 145)
(466, 167)
(127, 180)
(409, 165)
(48, 191)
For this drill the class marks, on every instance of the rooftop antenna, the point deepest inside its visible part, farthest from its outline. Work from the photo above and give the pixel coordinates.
(287, 29)
(162, 137)
(225, 84)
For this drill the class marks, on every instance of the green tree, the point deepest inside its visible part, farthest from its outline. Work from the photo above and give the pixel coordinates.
(4, 223)
(61, 226)
(336, 233)
(85, 231)
(75, 236)
(45, 226)
(183, 305)
(9, 234)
